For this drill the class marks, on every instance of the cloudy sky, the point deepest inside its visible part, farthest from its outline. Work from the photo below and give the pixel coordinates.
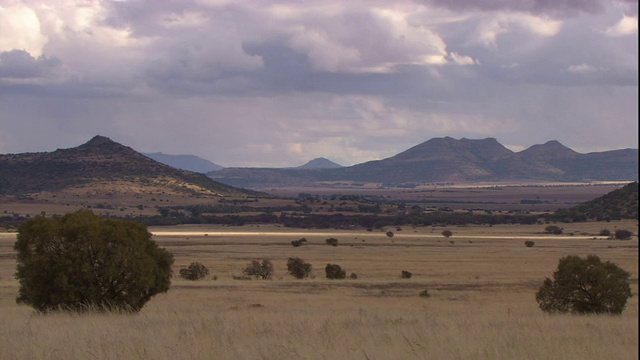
(278, 83)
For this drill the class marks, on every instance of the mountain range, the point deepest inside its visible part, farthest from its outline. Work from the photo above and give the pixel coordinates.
(450, 160)
(185, 162)
(100, 166)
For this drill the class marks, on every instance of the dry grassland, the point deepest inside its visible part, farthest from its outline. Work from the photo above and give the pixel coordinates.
(482, 283)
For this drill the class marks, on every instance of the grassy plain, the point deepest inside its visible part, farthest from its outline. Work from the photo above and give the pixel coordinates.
(482, 283)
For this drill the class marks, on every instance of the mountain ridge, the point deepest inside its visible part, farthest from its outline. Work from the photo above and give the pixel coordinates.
(465, 160)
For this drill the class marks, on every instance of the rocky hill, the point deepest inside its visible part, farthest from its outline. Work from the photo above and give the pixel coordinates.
(100, 166)
(465, 160)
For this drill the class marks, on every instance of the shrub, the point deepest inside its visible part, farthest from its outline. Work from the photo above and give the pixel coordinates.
(81, 261)
(447, 233)
(424, 293)
(298, 268)
(605, 232)
(259, 270)
(333, 271)
(406, 274)
(390, 234)
(353, 276)
(529, 243)
(332, 241)
(584, 286)
(553, 229)
(623, 234)
(194, 271)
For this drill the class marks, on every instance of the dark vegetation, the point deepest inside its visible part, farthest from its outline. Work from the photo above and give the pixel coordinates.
(82, 261)
(260, 270)
(618, 204)
(298, 268)
(585, 285)
(334, 271)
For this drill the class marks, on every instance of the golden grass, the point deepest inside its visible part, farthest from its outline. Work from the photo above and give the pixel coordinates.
(482, 303)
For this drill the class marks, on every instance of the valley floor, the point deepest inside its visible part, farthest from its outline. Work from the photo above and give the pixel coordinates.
(481, 281)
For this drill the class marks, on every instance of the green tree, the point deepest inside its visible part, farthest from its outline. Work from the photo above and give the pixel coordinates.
(81, 261)
(584, 286)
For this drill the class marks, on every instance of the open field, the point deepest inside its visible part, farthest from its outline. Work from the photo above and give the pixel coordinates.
(482, 283)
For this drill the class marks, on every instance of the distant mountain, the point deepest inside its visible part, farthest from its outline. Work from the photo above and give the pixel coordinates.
(619, 204)
(100, 166)
(185, 162)
(465, 160)
(320, 163)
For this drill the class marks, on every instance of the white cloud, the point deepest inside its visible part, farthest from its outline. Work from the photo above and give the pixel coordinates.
(20, 30)
(581, 68)
(628, 25)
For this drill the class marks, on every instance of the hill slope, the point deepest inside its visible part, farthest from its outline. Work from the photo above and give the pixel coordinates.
(185, 162)
(100, 165)
(618, 204)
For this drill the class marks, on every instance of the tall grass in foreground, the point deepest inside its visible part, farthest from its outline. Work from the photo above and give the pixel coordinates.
(318, 327)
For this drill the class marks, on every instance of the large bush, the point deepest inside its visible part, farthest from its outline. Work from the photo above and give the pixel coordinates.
(584, 286)
(81, 261)
(298, 268)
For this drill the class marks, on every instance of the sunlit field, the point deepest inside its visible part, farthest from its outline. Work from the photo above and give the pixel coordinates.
(481, 281)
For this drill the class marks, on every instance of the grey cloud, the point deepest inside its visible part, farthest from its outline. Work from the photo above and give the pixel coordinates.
(556, 8)
(19, 64)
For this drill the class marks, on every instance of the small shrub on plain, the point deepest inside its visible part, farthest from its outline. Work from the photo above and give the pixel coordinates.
(259, 270)
(194, 271)
(298, 268)
(333, 271)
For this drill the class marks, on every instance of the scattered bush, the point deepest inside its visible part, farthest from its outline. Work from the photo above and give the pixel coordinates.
(333, 271)
(623, 234)
(259, 270)
(447, 233)
(553, 229)
(584, 286)
(605, 232)
(81, 261)
(332, 241)
(406, 274)
(529, 243)
(390, 234)
(353, 276)
(424, 293)
(298, 268)
(194, 271)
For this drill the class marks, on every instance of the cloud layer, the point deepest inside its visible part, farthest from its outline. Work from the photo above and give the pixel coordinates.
(277, 83)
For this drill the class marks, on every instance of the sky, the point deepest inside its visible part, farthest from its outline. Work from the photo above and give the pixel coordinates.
(278, 83)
